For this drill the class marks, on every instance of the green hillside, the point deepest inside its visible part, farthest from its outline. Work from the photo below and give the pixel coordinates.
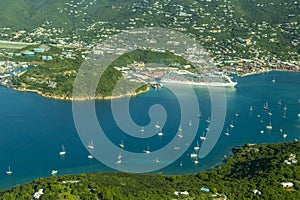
(252, 167)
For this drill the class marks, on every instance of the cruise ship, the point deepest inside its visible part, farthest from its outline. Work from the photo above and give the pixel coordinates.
(188, 78)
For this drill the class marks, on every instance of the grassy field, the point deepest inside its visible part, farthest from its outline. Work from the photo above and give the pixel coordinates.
(12, 45)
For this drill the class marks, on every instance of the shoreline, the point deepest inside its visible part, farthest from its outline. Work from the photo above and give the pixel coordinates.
(265, 71)
(67, 98)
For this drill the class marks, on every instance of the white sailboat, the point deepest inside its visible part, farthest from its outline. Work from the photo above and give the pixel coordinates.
(251, 108)
(193, 155)
(262, 132)
(281, 130)
(231, 125)
(227, 132)
(176, 148)
(269, 126)
(284, 135)
(190, 123)
(142, 130)
(202, 137)
(179, 132)
(273, 80)
(270, 113)
(90, 157)
(122, 144)
(180, 164)
(157, 125)
(180, 129)
(160, 133)
(208, 120)
(236, 114)
(63, 151)
(196, 148)
(119, 161)
(156, 159)
(285, 107)
(279, 102)
(147, 151)
(8, 171)
(266, 106)
(91, 145)
(284, 114)
(54, 172)
(196, 162)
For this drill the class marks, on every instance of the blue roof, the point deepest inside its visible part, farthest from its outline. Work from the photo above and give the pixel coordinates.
(39, 50)
(204, 189)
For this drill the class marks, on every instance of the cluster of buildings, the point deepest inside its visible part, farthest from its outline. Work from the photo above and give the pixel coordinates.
(211, 23)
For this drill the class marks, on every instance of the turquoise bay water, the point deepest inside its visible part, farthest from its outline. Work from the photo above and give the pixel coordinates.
(33, 128)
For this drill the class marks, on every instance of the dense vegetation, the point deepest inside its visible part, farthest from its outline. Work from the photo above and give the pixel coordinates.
(272, 25)
(251, 167)
(63, 70)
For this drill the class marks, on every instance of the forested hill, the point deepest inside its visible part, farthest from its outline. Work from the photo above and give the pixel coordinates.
(251, 29)
(22, 14)
(258, 169)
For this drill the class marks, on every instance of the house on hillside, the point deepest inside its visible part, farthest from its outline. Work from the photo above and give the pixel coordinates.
(287, 184)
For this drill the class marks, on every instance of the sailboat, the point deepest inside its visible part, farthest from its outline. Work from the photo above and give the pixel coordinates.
(119, 161)
(285, 107)
(160, 133)
(251, 108)
(147, 151)
(208, 120)
(196, 148)
(273, 80)
(8, 171)
(122, 144)
(284, 135)
(54, 172)
(63, 151)
(281, 130)
(279, 102)
(179, 132)
(262, 132)
(231, 125)
(196, 162)
(266, 106)
(227, 132)
(284, 114)
(202, 137)
(142, 130)
(157, 125)
(193, 155)
(90, 157)
(156, 159)
(190, 123)
(90, 145)
(236, 114)
(270, 113)
(180, 164)
(176, 148)
(269, 126)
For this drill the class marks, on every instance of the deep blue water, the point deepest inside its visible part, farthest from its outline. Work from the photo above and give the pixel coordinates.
(33, 128)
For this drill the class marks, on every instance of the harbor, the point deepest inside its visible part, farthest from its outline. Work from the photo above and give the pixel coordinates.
(29, 127)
